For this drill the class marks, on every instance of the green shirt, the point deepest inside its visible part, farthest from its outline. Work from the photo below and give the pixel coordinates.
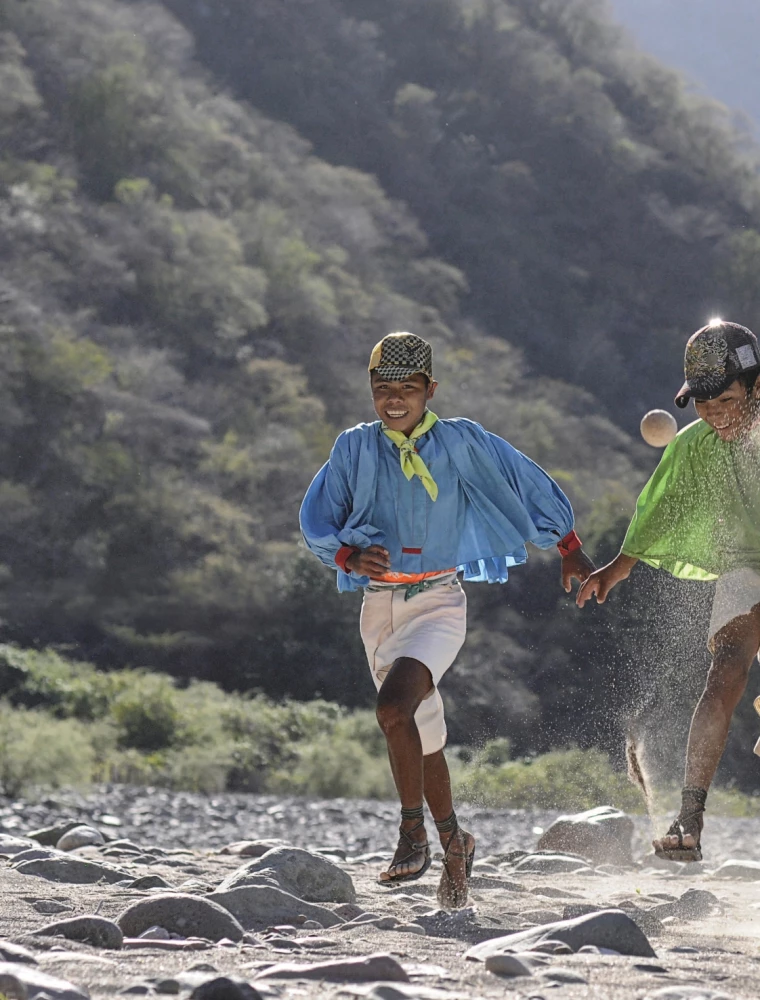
(699, 515)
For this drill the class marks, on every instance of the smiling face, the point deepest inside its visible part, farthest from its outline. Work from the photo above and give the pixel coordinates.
(732, 413)
(400, 405)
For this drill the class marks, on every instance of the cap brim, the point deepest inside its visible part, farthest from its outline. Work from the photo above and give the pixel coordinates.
(702, 391)
(393, 373)
(683, 396)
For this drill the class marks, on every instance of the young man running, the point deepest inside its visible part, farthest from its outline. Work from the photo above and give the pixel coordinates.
(698, 517)
(402, 507)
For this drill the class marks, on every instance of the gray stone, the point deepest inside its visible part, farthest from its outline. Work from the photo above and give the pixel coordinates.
(603, 835)
(149, 882)
(687, 993)
(260, 906)
(181, 914)
(92, 930)
(49, 836)
(155, 934)
(252, 848)
(72, 870)
(649, 921)
(49, 907)
(508, 965)
(607, 929)
(692, 905)
(349, 911)
(370, 969)
(15, 845)
(80, 836)
(542, 916)
(559, 975)
(20, 982)
(551, 864)
(10, 952)
(34, 854)
(223, 988)
(301, 873)
(748, 871)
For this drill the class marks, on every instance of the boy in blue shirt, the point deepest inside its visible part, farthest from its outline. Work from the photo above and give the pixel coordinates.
(401, 508)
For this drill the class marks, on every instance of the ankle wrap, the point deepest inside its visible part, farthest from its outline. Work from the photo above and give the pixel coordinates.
(416, 813)
(448, 824)
(693, 798)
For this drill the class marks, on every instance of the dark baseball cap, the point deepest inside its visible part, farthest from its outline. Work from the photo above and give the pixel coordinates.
(715, 357)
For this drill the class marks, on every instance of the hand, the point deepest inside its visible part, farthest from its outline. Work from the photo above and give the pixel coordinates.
(372, 562)
(575, 566)
(600, 583)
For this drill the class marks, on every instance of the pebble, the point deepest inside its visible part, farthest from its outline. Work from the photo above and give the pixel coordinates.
(11, 846)
(51, 906)
(48, 836)
(253, 848)
(10, 952)
(148, 882)
(559, 975)
(258, 906)
(745, 870)
(80, 836)
(222, 988)
(301, 873)
(97, 931)
(155, 933)
(551, 864)
(181, 914)
(370, 969)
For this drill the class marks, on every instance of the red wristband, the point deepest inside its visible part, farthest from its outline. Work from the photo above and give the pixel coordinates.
(569, 544)
(344, 553)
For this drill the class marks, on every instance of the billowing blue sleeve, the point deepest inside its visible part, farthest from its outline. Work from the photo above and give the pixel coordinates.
(331, 517)
(547, 506)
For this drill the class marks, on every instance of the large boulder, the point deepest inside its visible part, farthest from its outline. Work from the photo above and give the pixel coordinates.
(603, 835)
(301, 873)
(80, 836)
(606, 929)
(179, 913)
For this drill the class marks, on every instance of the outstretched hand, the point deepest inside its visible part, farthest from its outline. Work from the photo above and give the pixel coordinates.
(601, 582)
(373, 562)
(575, 566)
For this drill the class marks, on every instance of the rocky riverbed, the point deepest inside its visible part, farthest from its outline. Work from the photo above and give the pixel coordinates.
(147, 893)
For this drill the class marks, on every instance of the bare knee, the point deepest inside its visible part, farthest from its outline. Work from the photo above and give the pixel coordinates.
(392, 712)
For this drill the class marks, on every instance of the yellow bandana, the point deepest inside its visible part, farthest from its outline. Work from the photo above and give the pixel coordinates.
(411, 463)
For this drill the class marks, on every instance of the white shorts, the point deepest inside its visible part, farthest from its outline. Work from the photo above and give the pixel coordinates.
(431, 628)
(736, 593)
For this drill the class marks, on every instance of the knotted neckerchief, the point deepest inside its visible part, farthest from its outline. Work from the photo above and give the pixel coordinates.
(411, 463)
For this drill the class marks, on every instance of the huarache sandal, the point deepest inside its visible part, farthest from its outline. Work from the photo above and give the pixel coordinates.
(415, 847)
(452, 894)
(688, 822)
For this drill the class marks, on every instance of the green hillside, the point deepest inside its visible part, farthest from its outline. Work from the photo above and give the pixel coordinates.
(189, 291)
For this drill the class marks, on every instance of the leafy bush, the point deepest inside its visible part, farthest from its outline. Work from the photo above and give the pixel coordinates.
(38, 750)
(562, 779)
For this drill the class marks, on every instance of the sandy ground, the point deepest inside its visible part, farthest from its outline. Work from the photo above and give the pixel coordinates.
(719, 953)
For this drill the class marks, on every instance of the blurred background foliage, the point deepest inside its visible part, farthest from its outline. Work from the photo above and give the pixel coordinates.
(209, 213)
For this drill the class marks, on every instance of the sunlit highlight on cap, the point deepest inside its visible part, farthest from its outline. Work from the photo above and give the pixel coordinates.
(715, 321)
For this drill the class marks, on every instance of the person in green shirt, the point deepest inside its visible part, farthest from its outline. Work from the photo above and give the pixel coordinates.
(698, 517)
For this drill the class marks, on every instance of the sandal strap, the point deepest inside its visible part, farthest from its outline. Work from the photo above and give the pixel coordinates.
(414, 845)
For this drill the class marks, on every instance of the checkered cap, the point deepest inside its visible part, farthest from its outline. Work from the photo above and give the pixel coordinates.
(715, 356)
(401, 354)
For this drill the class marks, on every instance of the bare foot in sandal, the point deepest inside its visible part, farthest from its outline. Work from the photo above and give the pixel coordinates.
(458, 855)
(412, 857)
(682, 842)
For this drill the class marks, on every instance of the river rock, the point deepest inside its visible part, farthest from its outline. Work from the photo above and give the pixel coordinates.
(222, 988)
(607, 929)
(182, 914)
(15, 845)
(22, 981)
(49, 907)
(149, 882)
(252, 848)
(76, 871)
(48, 836)
(301, 873)
(92, 930)
(551, 864)
(747, 871)
(10, 952)
(80, 836)
(507, 965)
(370, 969)
(687, 993)
(258, 906)
(603, 835)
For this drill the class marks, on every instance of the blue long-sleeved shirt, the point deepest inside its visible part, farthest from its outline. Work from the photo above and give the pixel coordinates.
(492, 499)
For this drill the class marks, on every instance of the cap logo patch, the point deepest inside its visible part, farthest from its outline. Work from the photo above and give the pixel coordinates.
(706, 357)
(746, 356)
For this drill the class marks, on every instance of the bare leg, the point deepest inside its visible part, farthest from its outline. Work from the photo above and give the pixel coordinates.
(734, 649)
(439, 799)
(407, 683)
